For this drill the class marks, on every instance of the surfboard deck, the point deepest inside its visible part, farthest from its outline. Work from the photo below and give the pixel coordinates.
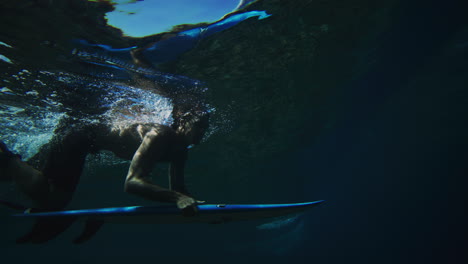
(207, 213)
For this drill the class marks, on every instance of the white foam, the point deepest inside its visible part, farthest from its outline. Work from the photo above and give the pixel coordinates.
(130, 105)
(24, 134)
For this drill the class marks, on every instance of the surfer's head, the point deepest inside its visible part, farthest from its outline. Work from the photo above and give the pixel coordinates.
(192, 124)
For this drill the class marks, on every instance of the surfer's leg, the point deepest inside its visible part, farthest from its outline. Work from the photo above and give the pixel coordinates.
(29, 180)
(64, 164)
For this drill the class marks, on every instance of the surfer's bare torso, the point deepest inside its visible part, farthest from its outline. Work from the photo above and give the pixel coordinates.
(144, 144)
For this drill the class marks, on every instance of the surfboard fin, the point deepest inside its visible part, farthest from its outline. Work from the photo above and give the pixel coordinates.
(14, 206)
(90, 229)
(45, 230)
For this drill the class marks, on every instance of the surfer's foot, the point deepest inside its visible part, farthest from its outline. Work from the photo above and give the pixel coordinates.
(188, 205)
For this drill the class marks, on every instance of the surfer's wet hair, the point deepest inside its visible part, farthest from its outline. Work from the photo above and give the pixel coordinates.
(195, 117)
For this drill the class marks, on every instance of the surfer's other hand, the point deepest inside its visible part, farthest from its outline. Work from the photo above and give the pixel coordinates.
(188, 205)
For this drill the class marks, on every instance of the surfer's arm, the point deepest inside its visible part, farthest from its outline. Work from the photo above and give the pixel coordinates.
(152, 148)
(143, 161)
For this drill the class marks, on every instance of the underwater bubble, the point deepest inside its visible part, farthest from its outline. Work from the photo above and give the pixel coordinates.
(129, 105)
(5, 45)
(6, 90)
(5, 59)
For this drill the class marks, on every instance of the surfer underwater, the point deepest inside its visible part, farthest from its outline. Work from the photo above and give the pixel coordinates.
(50, 177)
(52, 187)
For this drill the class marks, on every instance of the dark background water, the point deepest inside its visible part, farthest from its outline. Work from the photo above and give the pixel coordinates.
(369, 114)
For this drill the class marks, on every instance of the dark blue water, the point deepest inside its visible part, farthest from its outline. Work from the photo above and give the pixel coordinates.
(396, 164)
(390, 161)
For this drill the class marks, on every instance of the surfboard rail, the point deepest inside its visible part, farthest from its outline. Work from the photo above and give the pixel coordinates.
(208, 213)
(49, 225)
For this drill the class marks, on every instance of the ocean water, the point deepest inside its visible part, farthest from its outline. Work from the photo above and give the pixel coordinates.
(361, 104)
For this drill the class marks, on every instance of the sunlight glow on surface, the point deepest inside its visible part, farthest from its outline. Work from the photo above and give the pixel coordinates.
(144, 18)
